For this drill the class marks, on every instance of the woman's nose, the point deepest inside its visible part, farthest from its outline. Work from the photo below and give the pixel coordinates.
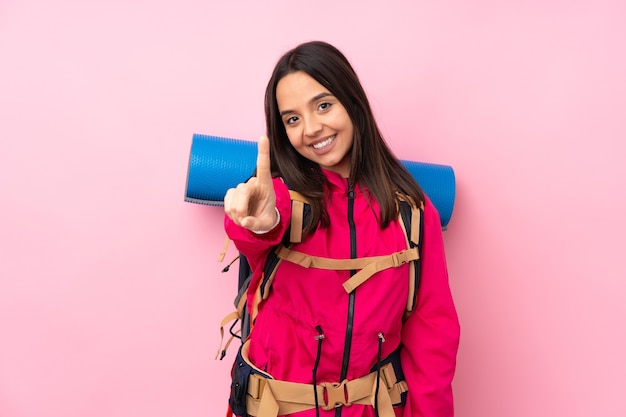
(312, 126)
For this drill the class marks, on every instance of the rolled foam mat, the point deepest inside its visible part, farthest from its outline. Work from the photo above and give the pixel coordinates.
(217, 164)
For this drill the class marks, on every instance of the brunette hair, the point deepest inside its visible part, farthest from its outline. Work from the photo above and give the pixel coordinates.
(372, 164)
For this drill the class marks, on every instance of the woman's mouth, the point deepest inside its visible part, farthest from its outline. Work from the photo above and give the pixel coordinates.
(325, 143)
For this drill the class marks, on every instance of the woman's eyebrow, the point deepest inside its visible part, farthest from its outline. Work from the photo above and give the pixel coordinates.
(313, 100)
(319, 96)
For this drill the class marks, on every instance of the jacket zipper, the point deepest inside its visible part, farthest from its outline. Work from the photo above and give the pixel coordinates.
(351, 297)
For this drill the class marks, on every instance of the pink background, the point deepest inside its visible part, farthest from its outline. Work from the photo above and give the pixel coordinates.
(110, 293)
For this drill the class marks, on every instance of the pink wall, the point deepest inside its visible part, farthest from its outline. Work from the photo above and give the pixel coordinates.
(110, 294)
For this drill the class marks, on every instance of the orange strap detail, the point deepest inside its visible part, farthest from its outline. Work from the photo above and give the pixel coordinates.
(368, 266)
(297, 216)
(220, 258)
(268, 397)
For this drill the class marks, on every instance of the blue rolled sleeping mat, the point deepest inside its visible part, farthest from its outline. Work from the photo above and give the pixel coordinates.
(217, 164)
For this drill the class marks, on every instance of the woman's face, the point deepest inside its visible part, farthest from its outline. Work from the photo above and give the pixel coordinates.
(317, 124)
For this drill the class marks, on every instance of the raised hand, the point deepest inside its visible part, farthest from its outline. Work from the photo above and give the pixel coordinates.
(252, 204)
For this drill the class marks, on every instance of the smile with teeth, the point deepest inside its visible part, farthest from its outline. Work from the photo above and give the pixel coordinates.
(325, 143)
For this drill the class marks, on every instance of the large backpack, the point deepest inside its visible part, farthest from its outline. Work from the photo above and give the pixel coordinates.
(411, 217)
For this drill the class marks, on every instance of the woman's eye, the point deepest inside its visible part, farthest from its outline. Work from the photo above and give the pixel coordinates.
(324, 106)
(291, 120)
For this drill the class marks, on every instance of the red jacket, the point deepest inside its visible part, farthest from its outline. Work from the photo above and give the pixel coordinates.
(283, 340)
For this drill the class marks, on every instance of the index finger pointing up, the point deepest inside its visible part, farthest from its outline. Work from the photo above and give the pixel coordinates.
(263, 170)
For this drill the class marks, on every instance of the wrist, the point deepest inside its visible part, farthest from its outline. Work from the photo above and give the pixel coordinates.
(276, 223)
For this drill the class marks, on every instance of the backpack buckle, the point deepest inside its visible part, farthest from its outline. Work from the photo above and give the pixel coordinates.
(335, 394)
(399, 258)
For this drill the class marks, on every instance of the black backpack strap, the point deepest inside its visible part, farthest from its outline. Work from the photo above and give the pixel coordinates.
(413, 225)
(245, 275)
(300, 217)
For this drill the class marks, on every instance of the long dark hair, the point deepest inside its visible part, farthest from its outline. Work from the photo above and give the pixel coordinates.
(372, 163)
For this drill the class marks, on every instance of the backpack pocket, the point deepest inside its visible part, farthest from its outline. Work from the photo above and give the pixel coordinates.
(242, 369)
(399, 397)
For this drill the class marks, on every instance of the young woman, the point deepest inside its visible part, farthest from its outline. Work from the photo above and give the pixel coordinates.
(324, 346)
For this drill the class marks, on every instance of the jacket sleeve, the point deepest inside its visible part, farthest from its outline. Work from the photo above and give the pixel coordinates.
(430, 336)
(256, 247)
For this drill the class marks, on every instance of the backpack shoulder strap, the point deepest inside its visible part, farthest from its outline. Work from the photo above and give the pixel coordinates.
(300, 214)
(411, 216)
(298, 210)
